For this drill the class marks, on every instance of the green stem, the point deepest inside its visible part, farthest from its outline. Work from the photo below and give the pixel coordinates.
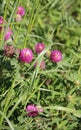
(9, 123)
(32, 21)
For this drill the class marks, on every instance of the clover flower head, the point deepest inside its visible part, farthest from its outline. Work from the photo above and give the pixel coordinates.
(8, 34)
(9, 50)
(56, 56)
(20, 11)
(26, 55)
(39, 47)
(1, 22)
(33, 110)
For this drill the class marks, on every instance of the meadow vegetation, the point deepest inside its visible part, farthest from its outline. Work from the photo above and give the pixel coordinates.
(40, 64)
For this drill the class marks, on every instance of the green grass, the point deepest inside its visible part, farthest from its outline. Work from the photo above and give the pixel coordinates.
(56, 23)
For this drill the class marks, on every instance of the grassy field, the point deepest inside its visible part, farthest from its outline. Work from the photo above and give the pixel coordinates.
(51, 88)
